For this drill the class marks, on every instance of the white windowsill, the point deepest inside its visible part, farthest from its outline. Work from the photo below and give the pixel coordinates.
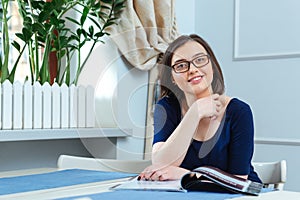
(52, 134)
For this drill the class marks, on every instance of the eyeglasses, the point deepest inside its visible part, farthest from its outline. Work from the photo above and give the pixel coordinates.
(184, 66)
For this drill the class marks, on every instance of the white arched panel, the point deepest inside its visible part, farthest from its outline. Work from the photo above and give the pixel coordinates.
(263, 29)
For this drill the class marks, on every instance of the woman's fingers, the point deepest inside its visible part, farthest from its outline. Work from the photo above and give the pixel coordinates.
(159, 175)
(148, 173)
(156, 175)
(218, 105)
(218, 102)
(162, 174)
(145, 174)
(152, 173)
(215, 96)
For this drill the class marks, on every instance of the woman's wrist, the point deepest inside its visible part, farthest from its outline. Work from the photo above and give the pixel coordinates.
(195, 112)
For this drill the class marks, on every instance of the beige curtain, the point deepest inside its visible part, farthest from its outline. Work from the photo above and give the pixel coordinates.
(144, 31)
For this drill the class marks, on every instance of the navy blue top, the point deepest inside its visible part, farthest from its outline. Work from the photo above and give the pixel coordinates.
(230, 149)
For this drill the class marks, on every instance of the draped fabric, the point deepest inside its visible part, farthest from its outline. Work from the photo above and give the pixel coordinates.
(145, 29)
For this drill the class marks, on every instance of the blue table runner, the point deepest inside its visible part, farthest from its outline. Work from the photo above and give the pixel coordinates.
(55, 179)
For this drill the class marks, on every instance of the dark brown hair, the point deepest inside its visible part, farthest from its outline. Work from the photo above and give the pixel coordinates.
(167, 87)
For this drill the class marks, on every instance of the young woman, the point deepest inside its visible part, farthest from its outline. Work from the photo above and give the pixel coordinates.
(195, 123)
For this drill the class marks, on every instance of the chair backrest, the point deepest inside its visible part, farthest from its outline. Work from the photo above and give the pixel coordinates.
(272, 174)
(129, 166)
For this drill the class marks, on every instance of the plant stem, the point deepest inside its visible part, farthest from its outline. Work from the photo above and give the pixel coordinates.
(5, 43)
(84, 62)
(45, 66)
(12, 74)
(79, 68)
(36, 52)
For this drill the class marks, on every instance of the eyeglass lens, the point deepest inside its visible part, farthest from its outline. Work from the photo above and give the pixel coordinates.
(184, 66)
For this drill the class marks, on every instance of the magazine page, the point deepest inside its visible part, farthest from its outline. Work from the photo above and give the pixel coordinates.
(134, 184)
(198, 180)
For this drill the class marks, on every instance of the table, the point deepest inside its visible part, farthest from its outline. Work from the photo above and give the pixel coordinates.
(88, 184)
(52, 184)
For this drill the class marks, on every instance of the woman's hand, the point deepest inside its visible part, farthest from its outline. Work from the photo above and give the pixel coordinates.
(153, 173)
(209, 106)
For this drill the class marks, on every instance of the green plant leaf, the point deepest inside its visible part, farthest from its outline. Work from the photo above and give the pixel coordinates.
(38, 5)
(104, 7)
(44, 15)
(81, 45)
(20, 35)
(1, 65)
(79, 12)
(91, 30)
(54, 21)
(84, 15)
(27, 33)
(95, 22)
(99, 34)
(103, 15)
(96, 7)
(118, 8)
(16, 45)
(108, 1)
(118, 2)
(73, 20)
(75, 37)
(27, 20)
(84, 33)
(62, 53)
(41, 41)
(37, 27)
(108, 24)
(79, 32)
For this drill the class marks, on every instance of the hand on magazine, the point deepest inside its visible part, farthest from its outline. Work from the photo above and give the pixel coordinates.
(154, 173)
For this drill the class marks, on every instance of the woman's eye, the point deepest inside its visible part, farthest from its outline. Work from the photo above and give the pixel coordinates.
(200, 60)
(181, 66)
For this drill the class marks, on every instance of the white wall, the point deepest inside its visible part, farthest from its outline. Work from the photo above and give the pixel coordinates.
(258, 46)
(120, 97)
(185, 16)
(38, 154)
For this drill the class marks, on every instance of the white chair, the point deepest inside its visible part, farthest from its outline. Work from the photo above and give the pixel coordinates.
(272, 174)
(76, 162)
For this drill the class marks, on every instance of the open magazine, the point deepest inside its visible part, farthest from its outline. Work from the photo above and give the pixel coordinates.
(200, 179)
(134, 184)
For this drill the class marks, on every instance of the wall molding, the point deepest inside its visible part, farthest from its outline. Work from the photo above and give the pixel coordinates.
(264, 56)
(277, 141)
(237, 56)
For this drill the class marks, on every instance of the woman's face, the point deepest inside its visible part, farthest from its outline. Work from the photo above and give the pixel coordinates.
(197, 80)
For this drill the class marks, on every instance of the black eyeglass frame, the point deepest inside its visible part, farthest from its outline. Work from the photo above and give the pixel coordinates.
(189, 63)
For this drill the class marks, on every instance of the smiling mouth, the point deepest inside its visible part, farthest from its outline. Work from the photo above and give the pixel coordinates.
(195, 78)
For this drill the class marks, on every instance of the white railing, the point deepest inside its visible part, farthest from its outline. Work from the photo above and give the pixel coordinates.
(26, 106)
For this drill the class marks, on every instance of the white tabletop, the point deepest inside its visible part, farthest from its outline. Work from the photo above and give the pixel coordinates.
(276, 195)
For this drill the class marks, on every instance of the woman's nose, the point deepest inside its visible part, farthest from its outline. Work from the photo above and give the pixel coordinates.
(193, 68)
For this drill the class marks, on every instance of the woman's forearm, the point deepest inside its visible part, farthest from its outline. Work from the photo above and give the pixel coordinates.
(175, 147)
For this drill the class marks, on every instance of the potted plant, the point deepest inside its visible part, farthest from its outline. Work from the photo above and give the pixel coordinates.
(46, 30)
